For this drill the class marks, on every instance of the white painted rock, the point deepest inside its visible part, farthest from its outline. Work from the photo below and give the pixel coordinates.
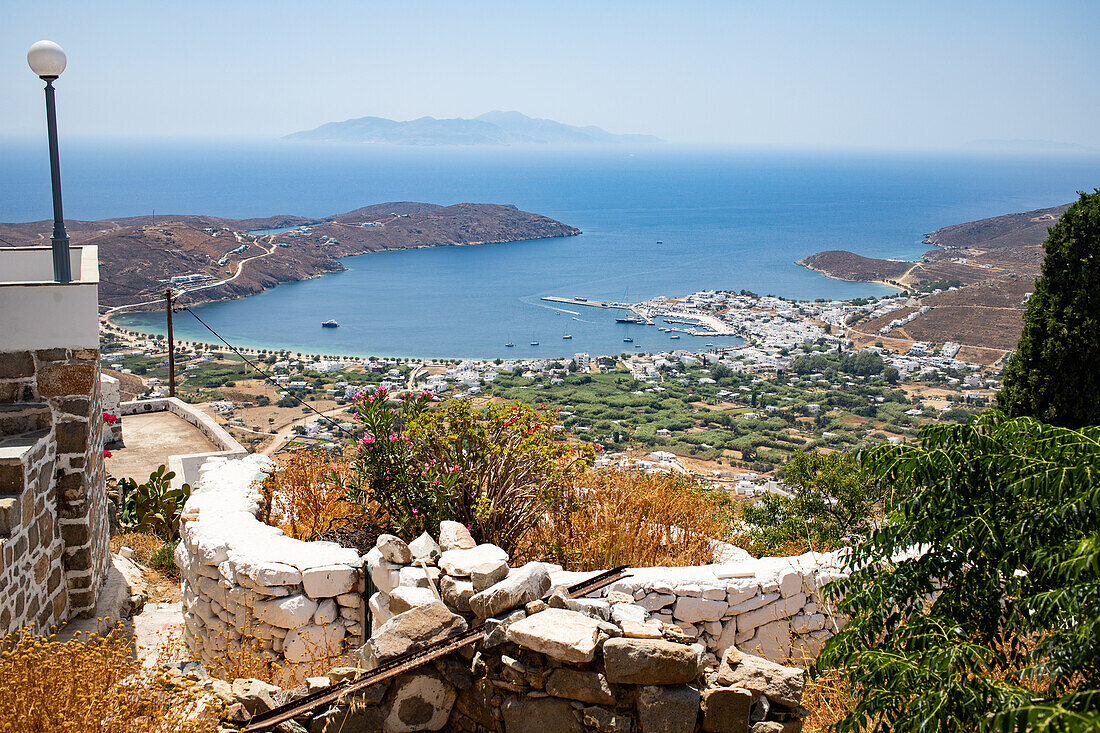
(313, 643)
(564, 635)
(287, 613)
(421, 702)
(425, 548)
(461, 562)
(394, 549)
(526, 584)
(404, 597)
(326, 612)
(380, 612)
(329, 581)
(694, 610)
(455, 536)
(274, 573)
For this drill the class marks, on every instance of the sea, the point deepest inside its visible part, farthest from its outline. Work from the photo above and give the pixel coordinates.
(657, 220)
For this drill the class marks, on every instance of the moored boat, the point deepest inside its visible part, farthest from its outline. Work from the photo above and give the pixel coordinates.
(331, 323)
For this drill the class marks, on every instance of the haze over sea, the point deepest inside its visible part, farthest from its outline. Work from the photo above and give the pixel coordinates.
(728, 219)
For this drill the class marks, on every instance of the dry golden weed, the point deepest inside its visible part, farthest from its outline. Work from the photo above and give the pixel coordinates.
(91, 685)
(611, 518)
(828, 698)
(300, 496)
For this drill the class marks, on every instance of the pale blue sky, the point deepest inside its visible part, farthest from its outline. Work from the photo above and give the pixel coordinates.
(882, 73)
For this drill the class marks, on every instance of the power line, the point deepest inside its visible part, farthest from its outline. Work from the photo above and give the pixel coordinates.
(267, 377)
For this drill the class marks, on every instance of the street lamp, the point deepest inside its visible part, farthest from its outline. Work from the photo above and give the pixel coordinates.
(48, 61)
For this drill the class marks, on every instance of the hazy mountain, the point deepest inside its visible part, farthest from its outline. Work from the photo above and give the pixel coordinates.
(492, 128)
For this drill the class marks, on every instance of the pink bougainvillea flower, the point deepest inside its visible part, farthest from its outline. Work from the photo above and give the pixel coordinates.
(109, 418)
(106, 453)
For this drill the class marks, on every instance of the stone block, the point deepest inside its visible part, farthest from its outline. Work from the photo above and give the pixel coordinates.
(456, 593)
(539, 715)
(289, 612)
(326, 612)
(694, 610)
(425, 548)
(418, 702)
(16, 364)
(419, 577)
(726, 710)
(10, 510)
(664, 709)
(564, 635)
(410, 631)
(403, 598)
(605, 721)
(760, 676)
(575, 684)
(790, 582)
(649, 662)
(329, 581)
(394, 549)
(780, 609)
(313, 643)
(487, 574)
(62, 380)
(455, 536)
(526, 584)
(72, 436)
(462, 561)
(257, 696)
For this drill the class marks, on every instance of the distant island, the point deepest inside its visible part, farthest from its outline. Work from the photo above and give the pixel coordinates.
(491, 128)
(212, 258)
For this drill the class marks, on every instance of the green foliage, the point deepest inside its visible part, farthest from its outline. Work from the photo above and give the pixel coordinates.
(152, 507)
(832, 502)
(287, 401)
(976, 605)
(1054, 376)
(490, 469)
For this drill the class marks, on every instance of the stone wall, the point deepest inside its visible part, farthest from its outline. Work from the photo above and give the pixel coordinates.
(252, 595)
(57, 548)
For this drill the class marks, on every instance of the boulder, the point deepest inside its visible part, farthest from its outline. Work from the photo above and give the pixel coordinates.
(648, 630)
(665, 709)
(462, 561)
(289, 612)
(425, 548)
(726, 709)
(410, 631)
(496, 629)
(394, 549)
(456, 593)
(525, 584)
(404, 597)
(455, 536)
(539, 715)
(326, 612)
(574, 684)
(418, 702)
(564, 635)
(649, 662)
(487, 574)
(380, 613)
(760, 676)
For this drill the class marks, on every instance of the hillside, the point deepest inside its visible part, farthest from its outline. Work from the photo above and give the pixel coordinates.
(137, 256)
(491, 128)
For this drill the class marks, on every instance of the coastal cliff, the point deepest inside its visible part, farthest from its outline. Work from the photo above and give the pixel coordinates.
(138, 256)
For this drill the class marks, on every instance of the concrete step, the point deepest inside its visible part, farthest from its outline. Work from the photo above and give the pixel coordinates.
(24, 417)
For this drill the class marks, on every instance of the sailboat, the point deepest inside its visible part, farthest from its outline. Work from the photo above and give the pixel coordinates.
(509, 345)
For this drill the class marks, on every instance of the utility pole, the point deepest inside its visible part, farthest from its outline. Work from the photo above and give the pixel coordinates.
(171, 345)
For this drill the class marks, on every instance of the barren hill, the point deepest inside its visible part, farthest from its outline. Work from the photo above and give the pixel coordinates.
(138, 257)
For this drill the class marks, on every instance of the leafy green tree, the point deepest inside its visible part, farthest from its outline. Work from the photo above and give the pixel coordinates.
(976, 604)
(832, 501)
(891, 375)
(1054, 376)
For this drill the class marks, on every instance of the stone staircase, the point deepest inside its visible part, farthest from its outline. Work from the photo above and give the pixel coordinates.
(24, 429)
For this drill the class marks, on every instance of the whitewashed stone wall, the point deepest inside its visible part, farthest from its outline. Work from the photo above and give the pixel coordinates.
(252, 595)
(299, 604)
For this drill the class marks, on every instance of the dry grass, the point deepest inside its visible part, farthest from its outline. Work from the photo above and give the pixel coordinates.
(145, 546)
(94, 685)
(611, 518)
(828, 698)
(300, 496)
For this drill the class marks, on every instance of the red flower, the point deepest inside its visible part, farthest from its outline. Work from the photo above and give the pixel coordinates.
(109, 418)
(106, 453)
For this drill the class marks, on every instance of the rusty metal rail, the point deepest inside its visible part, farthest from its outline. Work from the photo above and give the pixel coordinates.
(405, 663)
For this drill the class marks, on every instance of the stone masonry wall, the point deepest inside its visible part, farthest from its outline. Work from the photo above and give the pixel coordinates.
(61, 386)
(253, 595)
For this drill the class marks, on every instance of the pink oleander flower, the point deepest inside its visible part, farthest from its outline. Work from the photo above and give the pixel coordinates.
(393, 437)
(436, 482)
(428, 394)
(367, 439)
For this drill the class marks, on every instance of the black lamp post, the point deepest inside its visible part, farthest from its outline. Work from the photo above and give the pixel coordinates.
(48, 61)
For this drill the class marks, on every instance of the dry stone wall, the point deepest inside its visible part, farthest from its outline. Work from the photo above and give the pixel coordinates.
(53, 501)
(252, 595)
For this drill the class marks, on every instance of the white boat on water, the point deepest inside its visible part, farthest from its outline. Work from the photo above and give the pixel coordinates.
(330, 324)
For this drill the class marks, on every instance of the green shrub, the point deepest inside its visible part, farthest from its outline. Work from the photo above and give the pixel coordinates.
(152, 507)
